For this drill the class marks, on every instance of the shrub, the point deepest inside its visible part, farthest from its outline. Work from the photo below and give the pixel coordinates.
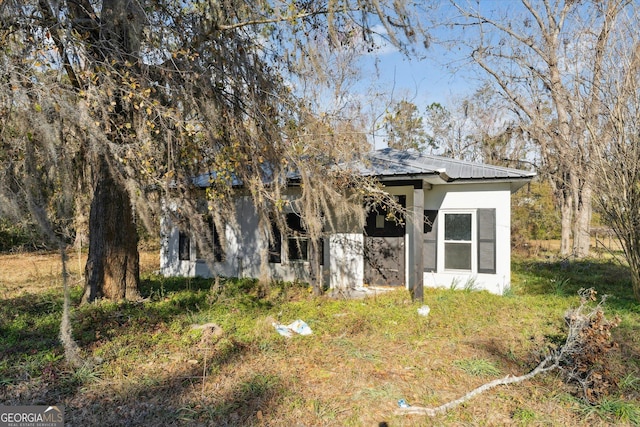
(17, 236)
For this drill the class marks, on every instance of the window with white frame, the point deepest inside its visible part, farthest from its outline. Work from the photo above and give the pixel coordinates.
(466, 238)
(458, 240)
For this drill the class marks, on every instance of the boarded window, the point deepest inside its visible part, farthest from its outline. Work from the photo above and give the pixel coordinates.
(275, 244)
(321, 251)
(218, 251)
(298, 242)
(381, 224)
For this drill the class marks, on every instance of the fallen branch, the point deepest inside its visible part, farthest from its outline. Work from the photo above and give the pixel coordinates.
(548, 364)
(580, 339)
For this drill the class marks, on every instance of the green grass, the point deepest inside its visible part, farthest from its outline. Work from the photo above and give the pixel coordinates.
(147, 365)
(565, 278)
(478, 367)
(614, 410)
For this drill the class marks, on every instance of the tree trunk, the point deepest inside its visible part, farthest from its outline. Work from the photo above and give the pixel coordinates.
(566, 221)
(112, 269)
(582, 224)
(635, 281)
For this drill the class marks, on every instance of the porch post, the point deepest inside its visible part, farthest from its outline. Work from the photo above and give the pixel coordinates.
(416, 272)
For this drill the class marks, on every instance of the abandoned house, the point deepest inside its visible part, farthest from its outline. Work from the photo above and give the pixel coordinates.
(456, 232)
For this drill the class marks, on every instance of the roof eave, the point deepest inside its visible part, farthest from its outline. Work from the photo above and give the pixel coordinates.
(515, 183)
(443, 178)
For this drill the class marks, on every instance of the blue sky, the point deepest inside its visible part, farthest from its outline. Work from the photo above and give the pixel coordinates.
(432, 79)
(421, 81)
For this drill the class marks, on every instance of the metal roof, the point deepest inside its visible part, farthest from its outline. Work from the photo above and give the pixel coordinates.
(388, 162)
(391, 163)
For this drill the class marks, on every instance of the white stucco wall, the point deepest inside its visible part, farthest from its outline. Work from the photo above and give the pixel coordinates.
(346, 264)
(469, 198)
(245, 243)
(170, 264)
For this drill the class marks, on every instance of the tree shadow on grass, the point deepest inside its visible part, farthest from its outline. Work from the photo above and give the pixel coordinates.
(171, 404)
(29, 345)
(187, 392)
(246, 292)
(169, 300)
(31, 356)
(29, 324)
(252, 398)
(183, 397)
(158, 285)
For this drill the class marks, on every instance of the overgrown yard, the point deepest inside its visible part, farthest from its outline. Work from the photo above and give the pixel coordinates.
(146, 364)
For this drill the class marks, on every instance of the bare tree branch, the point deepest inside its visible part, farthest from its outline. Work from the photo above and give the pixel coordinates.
(578, 341)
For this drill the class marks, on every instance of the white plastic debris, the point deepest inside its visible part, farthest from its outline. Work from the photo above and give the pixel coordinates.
(283, 330)
(297, 327)
(403, 403)
(424, 310)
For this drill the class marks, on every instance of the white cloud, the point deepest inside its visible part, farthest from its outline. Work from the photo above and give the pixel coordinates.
(380, 40)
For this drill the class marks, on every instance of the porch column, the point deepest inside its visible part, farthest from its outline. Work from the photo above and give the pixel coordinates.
(416, 268)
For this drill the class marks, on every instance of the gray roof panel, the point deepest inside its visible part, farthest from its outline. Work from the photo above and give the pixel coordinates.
(389, 162)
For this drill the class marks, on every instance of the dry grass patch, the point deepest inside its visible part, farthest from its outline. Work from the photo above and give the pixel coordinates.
(33, 273)
(151, 367)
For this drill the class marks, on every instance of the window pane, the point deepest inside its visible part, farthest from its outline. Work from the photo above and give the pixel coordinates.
(218, 251)
(298, 249)
(275, 244)
(457, 256)
(457, 227)
(184, 247)
(295, 223)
